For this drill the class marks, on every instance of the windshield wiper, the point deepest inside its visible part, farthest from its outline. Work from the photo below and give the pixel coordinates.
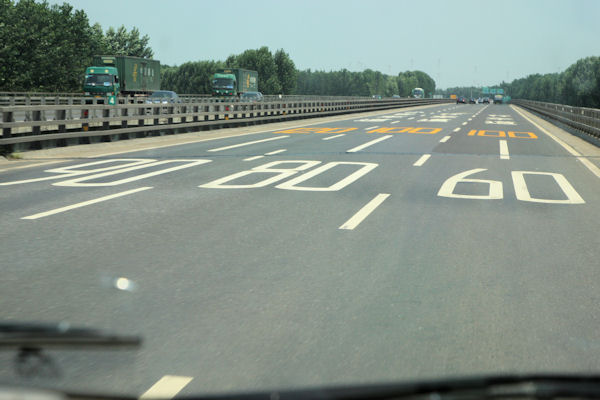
(24, 335)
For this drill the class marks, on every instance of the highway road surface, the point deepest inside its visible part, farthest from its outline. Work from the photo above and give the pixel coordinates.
(420, 242)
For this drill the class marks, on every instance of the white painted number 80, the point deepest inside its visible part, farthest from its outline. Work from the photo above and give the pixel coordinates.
(292, 184)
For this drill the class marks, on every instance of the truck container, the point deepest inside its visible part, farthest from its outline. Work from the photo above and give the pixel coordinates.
(121, 75)
(234, 82)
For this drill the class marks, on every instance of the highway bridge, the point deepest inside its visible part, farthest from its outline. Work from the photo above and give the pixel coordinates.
(375, 240)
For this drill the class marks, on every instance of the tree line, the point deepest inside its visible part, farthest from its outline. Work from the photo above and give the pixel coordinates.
(47, 48)
(578, 85)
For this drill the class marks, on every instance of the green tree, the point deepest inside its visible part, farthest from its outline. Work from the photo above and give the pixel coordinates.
(45, 48)
(260, 60)
(286, 72)
(125, 43)
(581, 83)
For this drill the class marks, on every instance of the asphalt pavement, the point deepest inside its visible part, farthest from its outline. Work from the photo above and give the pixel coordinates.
(421, 242)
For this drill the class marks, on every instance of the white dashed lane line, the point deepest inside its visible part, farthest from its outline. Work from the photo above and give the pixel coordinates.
(333, 137)
(166, 388)
(421, 160)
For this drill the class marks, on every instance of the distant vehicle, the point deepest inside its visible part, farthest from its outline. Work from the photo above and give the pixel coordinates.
(115, 75)
(377, 96)
(251, 97)
(234, 82)
(418, 93)
(486, 100)
(461, 100)
(163, 97)
(498, 99)
(472, 101)
(395, 96)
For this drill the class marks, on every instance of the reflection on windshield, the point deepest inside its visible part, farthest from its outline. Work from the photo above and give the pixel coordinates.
(223, 83)
(98, 79)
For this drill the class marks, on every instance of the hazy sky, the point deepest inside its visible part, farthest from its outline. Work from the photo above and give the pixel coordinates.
(457, 42)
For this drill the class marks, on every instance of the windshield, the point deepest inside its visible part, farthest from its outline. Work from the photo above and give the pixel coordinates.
(223, 83)
(368, 200)
(99, 80)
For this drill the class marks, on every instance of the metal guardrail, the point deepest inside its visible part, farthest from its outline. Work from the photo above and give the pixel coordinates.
(581, 118)
(43, 126)
(41, 98)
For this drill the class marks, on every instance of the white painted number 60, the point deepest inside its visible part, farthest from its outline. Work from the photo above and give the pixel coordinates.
(447, 189)
(521, 190)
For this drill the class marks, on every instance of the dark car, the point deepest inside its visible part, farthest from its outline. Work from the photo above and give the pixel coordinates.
(163, 97)
(461, 100)
(472, 101)
(251, 97)
(486, 100)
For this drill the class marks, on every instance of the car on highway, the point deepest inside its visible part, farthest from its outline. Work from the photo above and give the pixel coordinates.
(251, 97)
(163, 97)
(485, 100)
(461, 100)
(472, 101)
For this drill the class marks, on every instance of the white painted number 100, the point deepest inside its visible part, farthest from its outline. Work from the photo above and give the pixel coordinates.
(521, 190)
(284, 173)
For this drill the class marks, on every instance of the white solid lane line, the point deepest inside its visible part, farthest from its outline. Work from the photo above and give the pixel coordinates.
(422, 160)
(365, 145)
(589, 165)
(333, 137)
(248, 143)
(166, 387)
(464, 123)
(372, 127)
(445, 139)
(504, 150)
(275, 152)
(456, 130)
(85, 203)
(364, 212)
(253, 158)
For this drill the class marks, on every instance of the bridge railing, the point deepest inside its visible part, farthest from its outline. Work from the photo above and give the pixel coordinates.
(28, 127)
(41, 98)
(581, 118)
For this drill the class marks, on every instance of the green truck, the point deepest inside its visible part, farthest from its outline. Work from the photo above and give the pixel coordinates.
(121, 75)
(234, 82)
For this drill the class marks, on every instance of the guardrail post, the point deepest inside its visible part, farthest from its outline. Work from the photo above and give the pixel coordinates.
(124, 113)
(61, 115)
(170, 110)
(27, 113)
(141, 111)
(7, 116)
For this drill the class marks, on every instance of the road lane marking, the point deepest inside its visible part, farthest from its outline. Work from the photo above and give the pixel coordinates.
(504, 155)
(464, 123)
(253, 158)
(373, 127)
(85, 203)
(77, 182)
(445, 139)
(333, 137)
(34, 165)
(364, 212)
(365, 145)
(275, 152)
(411, 118)
(456, 130)
(166, 388)
(591, 166)
(422, 160)
(248, 143)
